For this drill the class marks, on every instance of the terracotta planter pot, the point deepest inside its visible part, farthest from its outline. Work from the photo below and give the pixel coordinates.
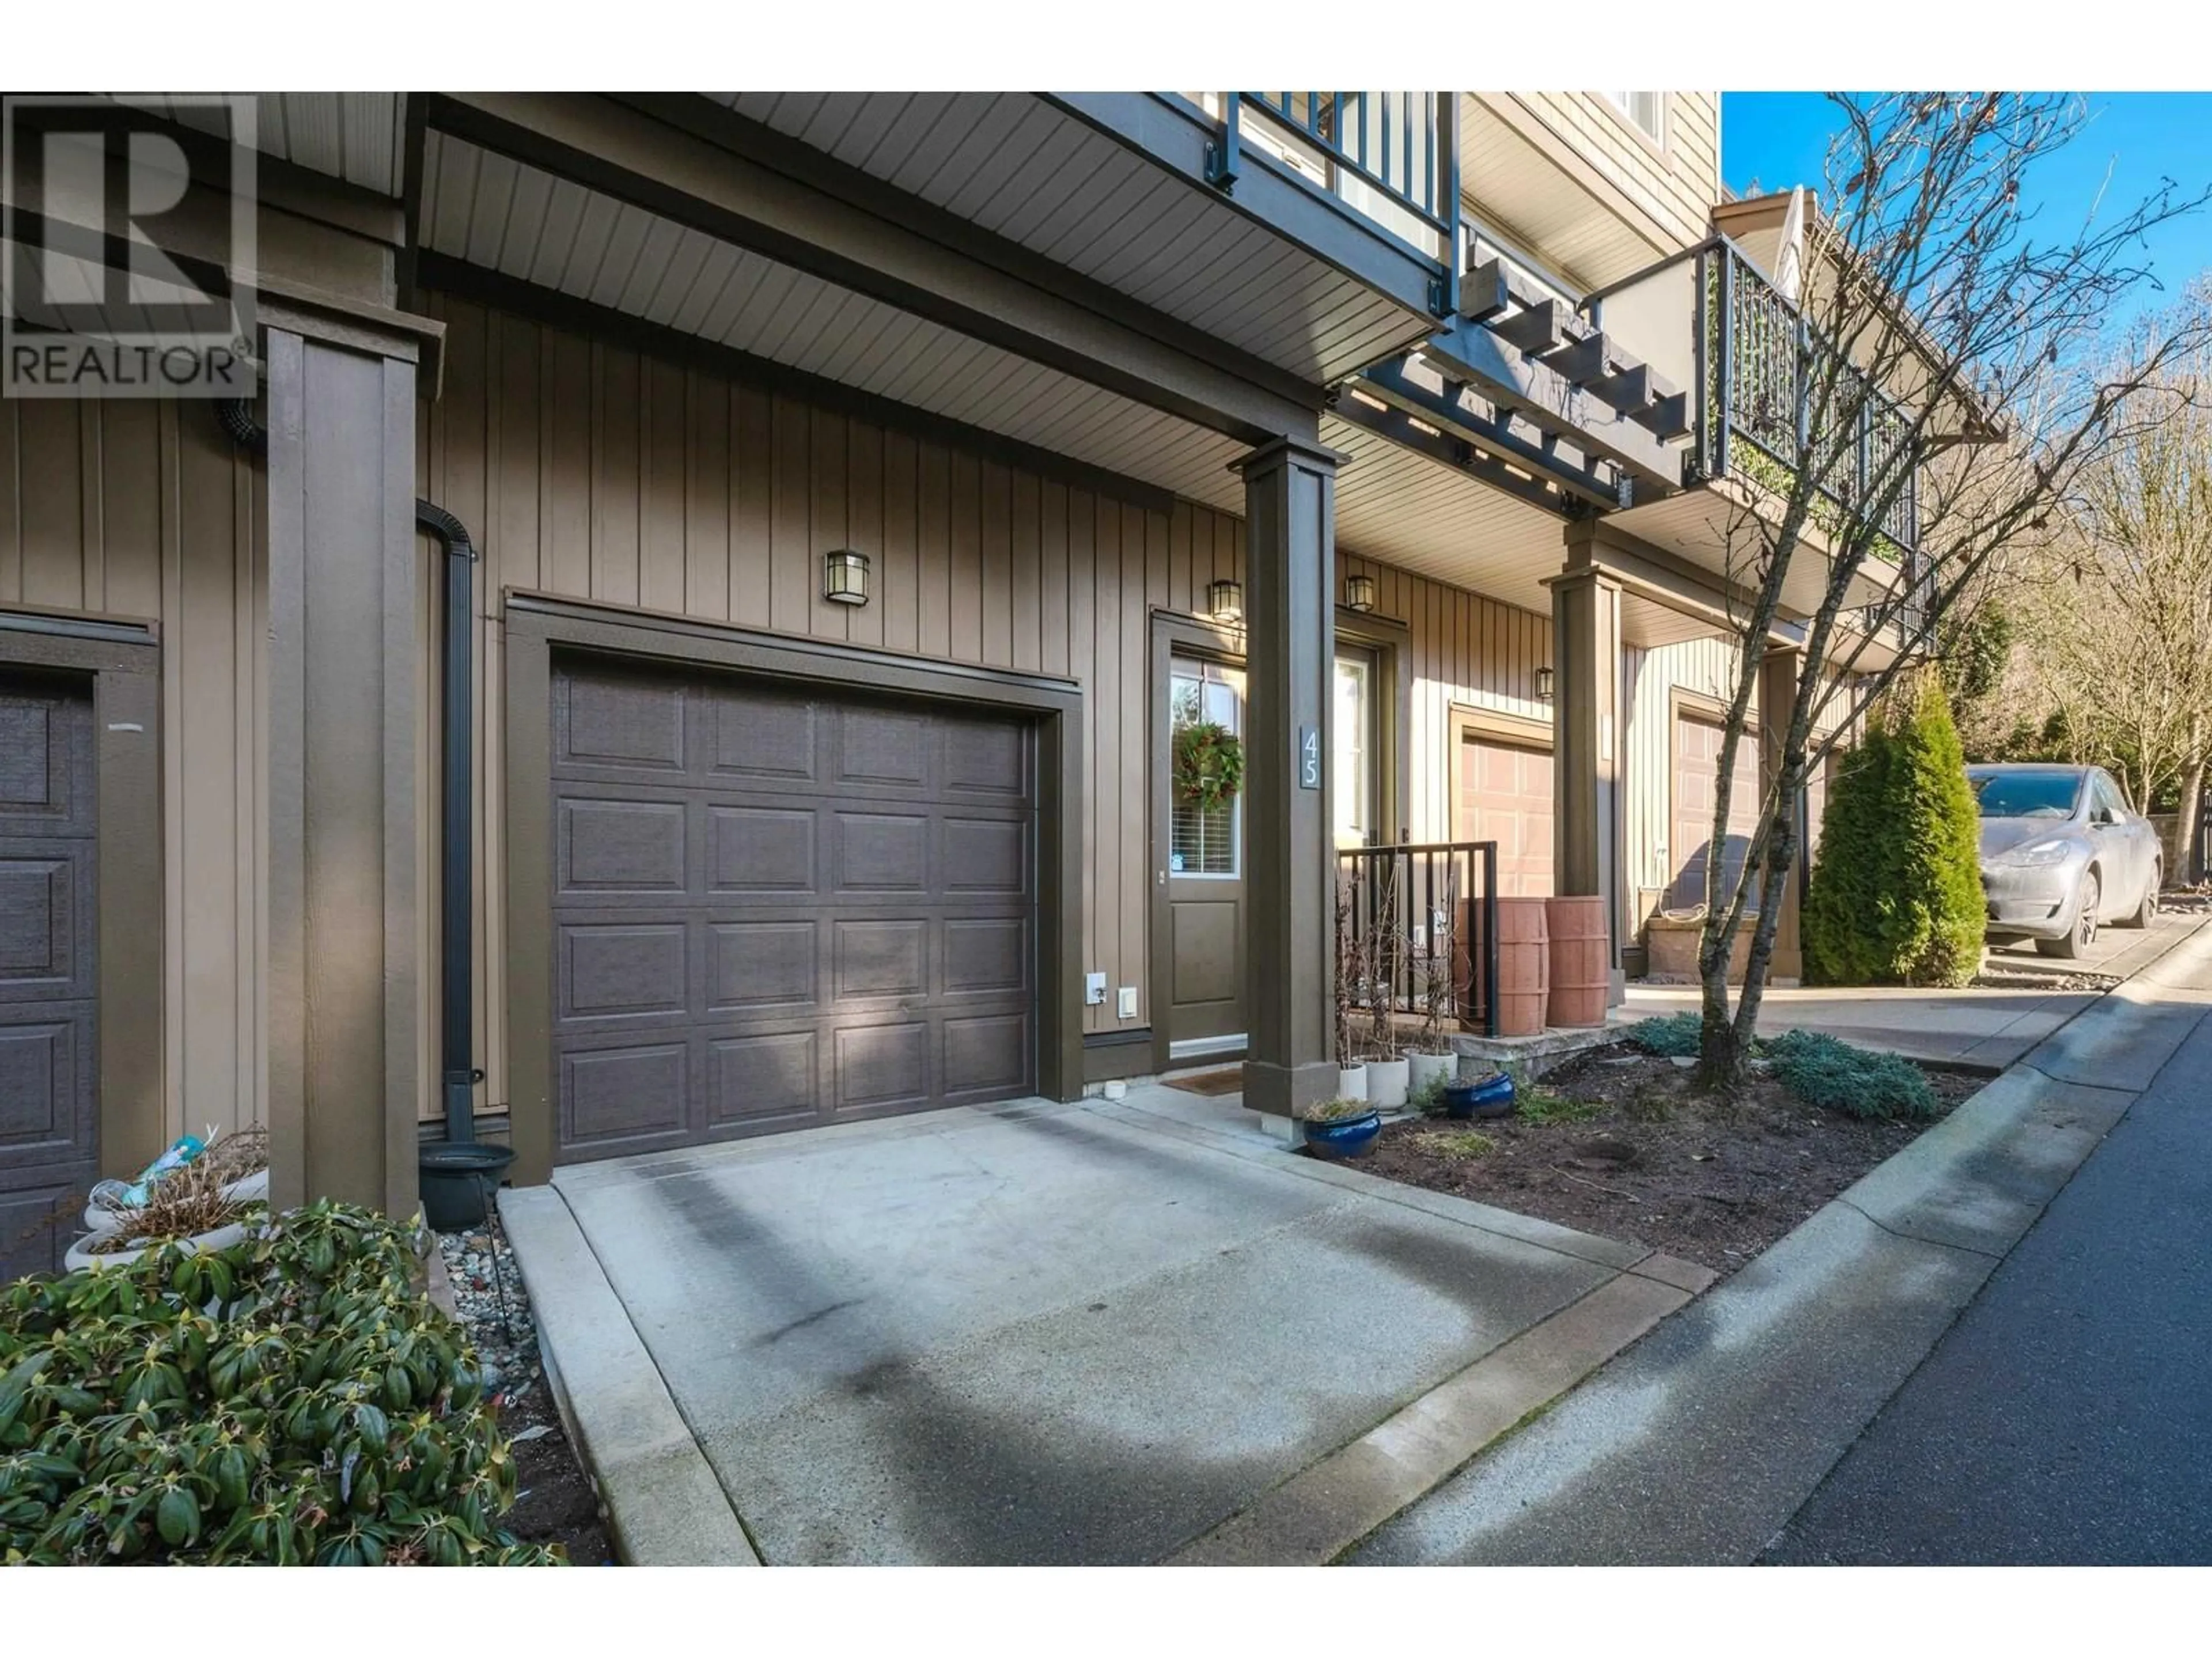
(1582, 966)
(1524, 966)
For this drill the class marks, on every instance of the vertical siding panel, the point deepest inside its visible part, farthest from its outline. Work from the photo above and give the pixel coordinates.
(828, 529)
(1180, 530)
(996, 588)
(617, 415)
(1112, 709)
(661, 492)
(933, 545)
(50, 507)
(752, 476)
(570, 466)
(967, 567)
(708, 497)
(129, 478)
(92, 578)
(1052, 557)
(902, 548)
(1029, 577)
(792, 591)
(11, 528)
(865, 531)
(1129, 789)
(1082, 659)
(512, 554)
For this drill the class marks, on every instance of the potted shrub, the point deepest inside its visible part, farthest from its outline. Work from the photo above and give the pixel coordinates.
(1340, 1129)
(190, 1208)
(239, 1158)
(1488, 1096)
(1387, 1081)
(1428, 1075)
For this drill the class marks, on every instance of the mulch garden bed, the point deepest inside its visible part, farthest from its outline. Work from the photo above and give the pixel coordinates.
(556, 1503)
(1622, 1144)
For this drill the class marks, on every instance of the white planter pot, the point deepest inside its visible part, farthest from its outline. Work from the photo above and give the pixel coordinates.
(1351, 1083)
(247, 1189)
(1386, 1083)
(82, 1256)
(1427, 1068)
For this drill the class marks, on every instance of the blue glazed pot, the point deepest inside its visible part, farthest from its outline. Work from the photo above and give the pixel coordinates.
(1492, 1097)
(1347, 1137)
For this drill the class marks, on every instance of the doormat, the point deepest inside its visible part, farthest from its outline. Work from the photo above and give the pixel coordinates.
(1228, 1080)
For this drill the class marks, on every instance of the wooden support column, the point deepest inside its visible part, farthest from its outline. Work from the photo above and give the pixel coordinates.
(1290, 509)
(1778, 691)
(347, 935)
(1586, 744)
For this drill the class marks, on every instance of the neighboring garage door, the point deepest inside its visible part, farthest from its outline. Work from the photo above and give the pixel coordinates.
(776, 907)
(1697, 773)
(49, 1095)
(1505, 796)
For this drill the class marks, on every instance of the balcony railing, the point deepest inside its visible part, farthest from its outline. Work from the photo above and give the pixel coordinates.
(1392, 156)
(1757, 355)
(1416, 941)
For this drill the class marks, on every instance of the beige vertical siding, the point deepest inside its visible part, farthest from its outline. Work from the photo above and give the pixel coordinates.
(143, 509)
(1678, 178)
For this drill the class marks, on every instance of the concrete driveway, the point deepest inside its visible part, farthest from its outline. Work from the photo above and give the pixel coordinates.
(1987, 1027)
(1040, 1332)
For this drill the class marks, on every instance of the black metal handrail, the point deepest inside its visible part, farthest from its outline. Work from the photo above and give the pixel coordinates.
(1417, 931)
(1756, 353)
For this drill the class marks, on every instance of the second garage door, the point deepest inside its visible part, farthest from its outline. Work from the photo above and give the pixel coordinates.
(1697, 773)
(1505, 796)
(776, 907)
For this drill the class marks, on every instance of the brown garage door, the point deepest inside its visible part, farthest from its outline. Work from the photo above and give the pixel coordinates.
(1697, 772)
(49, 1097)
(1505, 796)
(776, 908)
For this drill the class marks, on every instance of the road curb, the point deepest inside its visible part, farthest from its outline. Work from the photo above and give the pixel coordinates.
(666, 1507)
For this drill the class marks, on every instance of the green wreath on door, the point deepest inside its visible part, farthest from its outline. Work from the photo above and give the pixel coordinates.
(1209, 765)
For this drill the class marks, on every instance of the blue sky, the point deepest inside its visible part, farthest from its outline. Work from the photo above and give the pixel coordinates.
(1777, 139)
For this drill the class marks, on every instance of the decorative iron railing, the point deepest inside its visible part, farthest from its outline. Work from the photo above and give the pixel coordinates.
(1416, 940)
(1759, 363)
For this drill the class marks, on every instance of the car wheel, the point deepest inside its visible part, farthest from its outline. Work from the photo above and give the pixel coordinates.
(2147, 912)
(2084, 933)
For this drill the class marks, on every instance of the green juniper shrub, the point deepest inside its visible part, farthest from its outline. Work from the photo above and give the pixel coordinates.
(1429, 1099)
(1836, 1077)
(1541, 1106)
(1673, 1036)
(1896, 891)
(292, 1399)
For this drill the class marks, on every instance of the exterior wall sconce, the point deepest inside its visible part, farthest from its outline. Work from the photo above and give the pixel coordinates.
(845, 577)
(1359, 593)
(1543, 686)
(1225, 600)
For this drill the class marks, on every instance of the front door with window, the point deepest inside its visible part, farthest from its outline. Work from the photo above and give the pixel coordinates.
(1204, 877)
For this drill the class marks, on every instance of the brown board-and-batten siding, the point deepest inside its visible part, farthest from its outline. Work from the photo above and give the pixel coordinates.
(590, 470)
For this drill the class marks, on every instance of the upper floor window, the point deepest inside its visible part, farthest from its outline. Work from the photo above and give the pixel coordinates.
(1646, 109)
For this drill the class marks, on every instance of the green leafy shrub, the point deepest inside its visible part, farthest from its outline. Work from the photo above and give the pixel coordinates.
(1674, 1035)
(292, 1399)
(1835, 1076)
(1541, 1106)
(1896, 893)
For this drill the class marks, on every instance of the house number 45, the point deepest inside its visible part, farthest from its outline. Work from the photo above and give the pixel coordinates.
(1309, 757)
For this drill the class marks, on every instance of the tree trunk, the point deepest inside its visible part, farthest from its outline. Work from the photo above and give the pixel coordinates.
(2188, 839)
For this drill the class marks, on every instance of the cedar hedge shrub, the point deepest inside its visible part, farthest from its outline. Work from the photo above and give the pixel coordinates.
(292, 1399)
(1896, 892)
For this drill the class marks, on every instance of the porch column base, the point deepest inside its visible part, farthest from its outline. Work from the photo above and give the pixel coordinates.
(1586, 749)
(1283, 1091)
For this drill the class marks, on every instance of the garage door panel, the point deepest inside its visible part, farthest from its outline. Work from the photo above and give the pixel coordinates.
(763, 965)
(45, 760)
(626, 724)
(624, 847)
(1506, 797)
(985, 1055)
(1696, 792)
(42, 900)
(881, 1064)
(881, 852)
(621, 971)
(615, 1098)
(987, 955)
(41, 1081)
(854, 886)
(761, 1079)
(762, 850)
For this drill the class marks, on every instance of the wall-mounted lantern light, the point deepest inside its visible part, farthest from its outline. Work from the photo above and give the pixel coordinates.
(845, 577)
(1543, 686)
(1225, 600)
(1359, 593)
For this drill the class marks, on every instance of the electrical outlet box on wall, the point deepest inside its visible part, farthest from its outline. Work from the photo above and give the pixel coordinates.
(1094, 990)
(1128, 1005)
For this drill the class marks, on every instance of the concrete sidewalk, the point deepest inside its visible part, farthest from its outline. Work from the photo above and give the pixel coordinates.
(1971, 1027)
(1698, 1444)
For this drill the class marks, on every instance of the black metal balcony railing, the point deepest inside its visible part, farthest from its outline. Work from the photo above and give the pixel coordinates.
(1416, 940)
(1403, 146)
(1758, 357)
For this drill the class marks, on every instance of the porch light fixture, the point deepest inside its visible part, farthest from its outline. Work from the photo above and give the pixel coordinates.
(1225, 600)
(1543, 686)
(845, 577)
(1359, 593)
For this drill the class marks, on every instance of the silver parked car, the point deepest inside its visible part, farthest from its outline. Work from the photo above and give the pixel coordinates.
(2062, 853)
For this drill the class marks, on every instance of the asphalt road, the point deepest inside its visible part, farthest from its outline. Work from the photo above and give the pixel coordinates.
(2067, 1417)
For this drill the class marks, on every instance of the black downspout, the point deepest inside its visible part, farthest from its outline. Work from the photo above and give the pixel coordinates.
(457, 701)
(456, 917)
